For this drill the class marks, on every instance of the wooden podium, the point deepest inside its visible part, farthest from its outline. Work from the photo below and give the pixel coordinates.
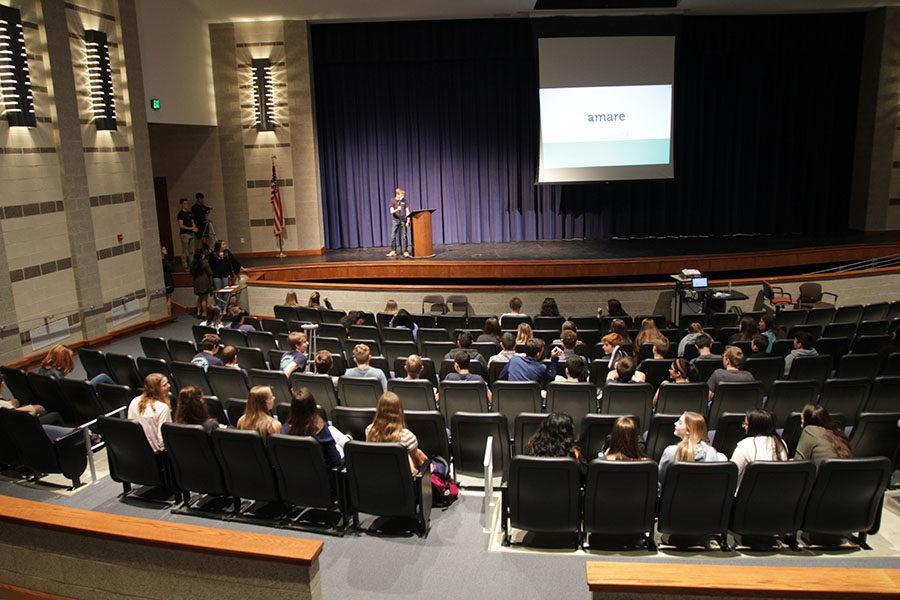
(420, 234)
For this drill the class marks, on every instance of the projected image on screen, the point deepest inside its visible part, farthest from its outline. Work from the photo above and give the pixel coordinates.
(606, 108)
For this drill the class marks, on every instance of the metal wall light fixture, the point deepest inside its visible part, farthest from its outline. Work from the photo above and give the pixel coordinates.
(263, 94)
(103, 101)
(16, 101)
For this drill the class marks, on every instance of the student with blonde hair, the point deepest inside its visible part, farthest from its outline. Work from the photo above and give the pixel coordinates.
(389, 425)
(258, 414)
(361, 356)
(523, 334)
(291, 299)
(693, 447)
(151, 409)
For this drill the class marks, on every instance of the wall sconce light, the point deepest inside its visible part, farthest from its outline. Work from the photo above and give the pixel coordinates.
(103, 101)
(263, 94)
(16, 101)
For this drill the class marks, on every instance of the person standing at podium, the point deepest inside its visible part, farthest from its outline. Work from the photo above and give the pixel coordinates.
(399, 222)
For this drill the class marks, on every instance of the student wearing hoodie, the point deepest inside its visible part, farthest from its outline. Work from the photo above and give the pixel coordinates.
(803, 346)
(693, 447)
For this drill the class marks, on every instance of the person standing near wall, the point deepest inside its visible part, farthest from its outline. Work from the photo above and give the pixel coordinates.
(399, 222)
(186, 232)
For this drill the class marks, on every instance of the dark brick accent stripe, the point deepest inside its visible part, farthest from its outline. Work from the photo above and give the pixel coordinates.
(32, 56)
(40, 88)
(118, 250)
(271, 222)
(29, 25)
(135, 295)
(256, 146)
(8, 332)
(108, 199)
(264, 183)
(37, 270)
(258, 44)
(107, 149)
(28, 210)
(11, 150)
(43, 119)
(89, 11)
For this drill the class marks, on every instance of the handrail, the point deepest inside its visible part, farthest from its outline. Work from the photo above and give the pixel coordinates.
(488, 464)
(880, 262)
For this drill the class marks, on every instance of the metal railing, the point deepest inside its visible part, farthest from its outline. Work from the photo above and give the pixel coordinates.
(868, 264)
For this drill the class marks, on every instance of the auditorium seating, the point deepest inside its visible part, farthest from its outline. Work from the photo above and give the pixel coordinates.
(734, 397)
(695, 504)
(38, 453)
(542, 495)
(414, 394)
(594, 431)
(358, 392)
(131, 459)
(620, 503)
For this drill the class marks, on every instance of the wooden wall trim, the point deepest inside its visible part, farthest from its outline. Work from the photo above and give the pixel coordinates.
(207, 540)
(274, 254)
(627, 578)
(12, 592)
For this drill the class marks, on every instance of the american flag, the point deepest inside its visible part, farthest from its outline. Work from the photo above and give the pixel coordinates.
(277, 209)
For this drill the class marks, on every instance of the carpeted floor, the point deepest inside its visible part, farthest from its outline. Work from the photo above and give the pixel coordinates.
(458, 559)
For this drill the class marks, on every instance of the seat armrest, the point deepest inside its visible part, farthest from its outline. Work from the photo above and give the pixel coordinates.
(832, 294)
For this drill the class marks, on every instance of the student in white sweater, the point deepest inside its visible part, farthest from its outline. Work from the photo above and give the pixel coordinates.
(151, 409)
(762, 441)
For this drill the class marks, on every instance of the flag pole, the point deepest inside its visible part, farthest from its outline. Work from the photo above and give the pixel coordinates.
(280, 239)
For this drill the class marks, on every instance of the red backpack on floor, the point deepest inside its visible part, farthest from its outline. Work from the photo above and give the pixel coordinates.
(444, 491)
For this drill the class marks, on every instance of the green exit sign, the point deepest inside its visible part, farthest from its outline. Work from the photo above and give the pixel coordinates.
(155, 104)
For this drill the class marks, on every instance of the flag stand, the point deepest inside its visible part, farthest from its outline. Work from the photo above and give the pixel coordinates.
(278, 213)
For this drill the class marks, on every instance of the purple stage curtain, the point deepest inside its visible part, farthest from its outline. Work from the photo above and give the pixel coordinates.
(765, 111)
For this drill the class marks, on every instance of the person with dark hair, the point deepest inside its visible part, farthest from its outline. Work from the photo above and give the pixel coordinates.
(201, 276)
(199, 211)
(209, 347)
(230, 360)
(304, 419)
(624, 442)
(704, 348)
(221, 266)
(747, 328)
(353, 317)
(618, 328)
(515, 309)
(758, 346)
(213, 318)
(464, 343)
(769, 327)
(316, 301)
(625, 371)
(402, 318)
(528, 366)
(549, 307)
(507, 348)
(322, 364)
(730, 371)
(555, 437)
(186, 232)
(491, 331)
(694, 331)
(235, 319)
(680, 371)
(803, 346)
(613, 309)
(576, 370)
(192, 410)
(762, 441)
(461, 363)
(569, 340)
(822, 438)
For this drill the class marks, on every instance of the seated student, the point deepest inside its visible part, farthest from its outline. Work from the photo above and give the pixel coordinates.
(523, 334)
(32, 409)
(613, 309)
(404, 319)
(704, 348)
(769, 327)
(648, 334)
(491, 331)
(192, 409)
(507, 349)
(209, 347)
(758, 346)
(694, 331)
(315, 303)
(660, 349)
(304, 419)
(626, 372)
(614, 349)
(693, 447)
(236, 316)
(60, 361)
(747, 328)
(618, 328)
(555, 438)
(624, 442)
(821, 438)
(290, 299)
(230, 360)
(460, 372)
(296, 358)
(389, 425)
(528, 366)
(391, 307)
(762, 441)
(680, 371)
(575, 369)
(464, 343)
(549, 307)
(353, 317)
(731, 361)
(258, 414)
(569, 340)
(213, 318)
(803, 346)
(323, 363)
(361, 357)
(151, 409)
(515, 309)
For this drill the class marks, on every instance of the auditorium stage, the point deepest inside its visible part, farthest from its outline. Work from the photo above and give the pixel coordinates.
(580, 261)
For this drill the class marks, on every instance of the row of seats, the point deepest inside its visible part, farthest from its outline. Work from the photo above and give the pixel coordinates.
(618, 502)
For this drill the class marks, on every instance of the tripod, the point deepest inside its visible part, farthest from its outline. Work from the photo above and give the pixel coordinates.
(209, 231)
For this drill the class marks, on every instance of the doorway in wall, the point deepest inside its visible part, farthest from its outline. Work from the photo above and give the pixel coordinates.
(163, 218)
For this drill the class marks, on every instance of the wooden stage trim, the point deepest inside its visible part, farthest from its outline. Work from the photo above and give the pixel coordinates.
(744, 581)
(661, 266)
(206, 540)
